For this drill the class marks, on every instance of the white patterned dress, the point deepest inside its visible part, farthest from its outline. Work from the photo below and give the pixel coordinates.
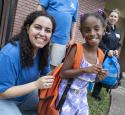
(76, 100)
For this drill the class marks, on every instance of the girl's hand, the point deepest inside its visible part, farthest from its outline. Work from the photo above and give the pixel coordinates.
(93, 69)
(45, 82)
(110, 53)
(101, 75)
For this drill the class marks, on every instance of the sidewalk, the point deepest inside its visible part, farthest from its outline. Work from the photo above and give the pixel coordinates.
(118, 100)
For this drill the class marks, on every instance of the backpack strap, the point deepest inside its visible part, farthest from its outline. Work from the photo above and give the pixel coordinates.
(77, 62)
(78, 56)
(100, 56)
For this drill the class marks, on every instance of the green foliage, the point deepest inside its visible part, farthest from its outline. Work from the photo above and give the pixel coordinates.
(99, 107)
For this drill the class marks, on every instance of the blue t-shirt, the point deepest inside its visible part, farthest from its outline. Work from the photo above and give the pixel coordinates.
(11, 73)
(65, 12)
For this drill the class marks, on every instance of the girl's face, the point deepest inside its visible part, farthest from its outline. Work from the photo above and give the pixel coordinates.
(40, 31)
(92, 30)
(113, 18)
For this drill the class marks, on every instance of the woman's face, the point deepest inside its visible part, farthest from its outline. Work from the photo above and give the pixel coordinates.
(113, 18)
(40, 31)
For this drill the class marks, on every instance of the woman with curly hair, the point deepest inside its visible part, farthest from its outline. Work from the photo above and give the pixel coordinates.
(22, 61)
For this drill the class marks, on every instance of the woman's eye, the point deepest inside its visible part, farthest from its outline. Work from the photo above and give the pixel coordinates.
(38, 27)
(97, 29)
(48, 30)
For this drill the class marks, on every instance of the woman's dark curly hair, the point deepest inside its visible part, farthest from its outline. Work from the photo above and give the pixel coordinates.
(26, 49)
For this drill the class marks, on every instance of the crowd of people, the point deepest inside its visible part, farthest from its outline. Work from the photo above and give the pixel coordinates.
(45, 34)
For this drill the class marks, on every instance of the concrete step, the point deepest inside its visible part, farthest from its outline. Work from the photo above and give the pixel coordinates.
(117, 101)
(123, 82)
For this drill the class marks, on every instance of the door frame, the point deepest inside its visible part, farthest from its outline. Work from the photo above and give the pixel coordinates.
(7, 19)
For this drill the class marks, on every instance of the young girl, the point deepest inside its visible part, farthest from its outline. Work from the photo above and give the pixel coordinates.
(92, 28)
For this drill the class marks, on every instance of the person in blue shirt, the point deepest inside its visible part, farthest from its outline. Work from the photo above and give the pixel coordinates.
(65, 13)
(22, 61)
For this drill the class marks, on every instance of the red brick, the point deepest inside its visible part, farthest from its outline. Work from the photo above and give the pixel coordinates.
(24, 7)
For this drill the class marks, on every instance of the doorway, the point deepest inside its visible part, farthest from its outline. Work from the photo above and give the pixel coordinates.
(7, 12)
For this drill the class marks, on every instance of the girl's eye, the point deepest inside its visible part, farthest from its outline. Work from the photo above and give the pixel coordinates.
(87, 30)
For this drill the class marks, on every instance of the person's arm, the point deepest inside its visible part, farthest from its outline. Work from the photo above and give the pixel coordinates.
(9, 76)
(40, 8)
(69, 72)
(16, 91)
(73, 31)
(43, 4)
(73, 25)
(116, 52)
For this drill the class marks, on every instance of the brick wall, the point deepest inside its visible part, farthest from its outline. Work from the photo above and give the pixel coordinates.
(24, 7)
(88, 6)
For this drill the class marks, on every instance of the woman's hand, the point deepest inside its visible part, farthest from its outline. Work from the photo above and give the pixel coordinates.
(116, 53)
(45, 82)
(101, 75)
(110, 53)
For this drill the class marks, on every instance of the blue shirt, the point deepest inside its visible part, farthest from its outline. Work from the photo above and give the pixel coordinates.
(11, 73)
(65, 12)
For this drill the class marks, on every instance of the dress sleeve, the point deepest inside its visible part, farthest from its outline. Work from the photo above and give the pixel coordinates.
(7, 73)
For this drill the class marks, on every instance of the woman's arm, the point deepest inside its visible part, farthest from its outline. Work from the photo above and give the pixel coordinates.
(15, 91)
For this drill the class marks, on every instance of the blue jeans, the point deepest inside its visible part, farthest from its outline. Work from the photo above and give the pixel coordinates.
(29, 107)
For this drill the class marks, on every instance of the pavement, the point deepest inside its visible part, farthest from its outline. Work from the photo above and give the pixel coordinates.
(118, 100)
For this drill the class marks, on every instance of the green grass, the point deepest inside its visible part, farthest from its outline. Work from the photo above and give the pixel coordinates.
(99, 107)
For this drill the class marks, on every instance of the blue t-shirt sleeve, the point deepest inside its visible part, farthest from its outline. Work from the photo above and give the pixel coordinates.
(75, 16)
(7, 73)
(44, 3)
(46, 70)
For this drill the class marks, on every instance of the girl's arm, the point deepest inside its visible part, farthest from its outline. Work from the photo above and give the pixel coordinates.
(16, 91)
(68, 71)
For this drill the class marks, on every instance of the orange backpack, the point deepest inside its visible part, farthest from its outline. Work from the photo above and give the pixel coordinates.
(48, 97)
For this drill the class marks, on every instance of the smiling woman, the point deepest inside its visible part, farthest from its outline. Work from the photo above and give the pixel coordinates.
(40, 32)
(28, 57)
